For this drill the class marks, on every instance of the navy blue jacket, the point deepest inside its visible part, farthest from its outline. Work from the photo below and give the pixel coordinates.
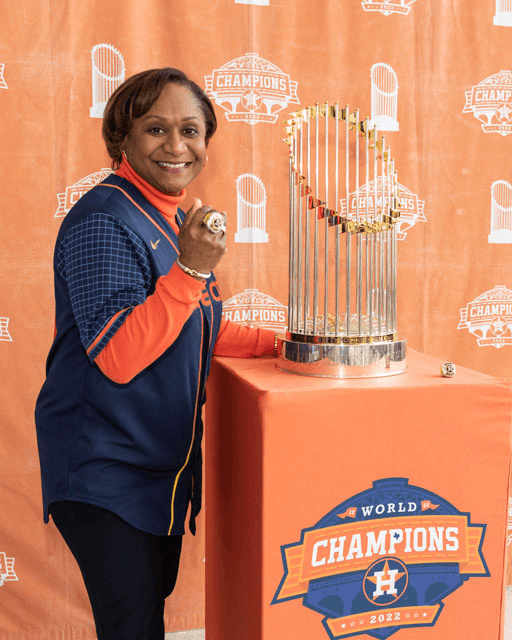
(133, 448)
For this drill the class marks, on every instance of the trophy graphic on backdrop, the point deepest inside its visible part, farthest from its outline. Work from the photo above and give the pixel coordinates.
(501, 212)
(108, 72)
(344, 206)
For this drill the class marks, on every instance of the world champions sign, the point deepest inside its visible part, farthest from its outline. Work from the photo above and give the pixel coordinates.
(251, 89)
(383, 560)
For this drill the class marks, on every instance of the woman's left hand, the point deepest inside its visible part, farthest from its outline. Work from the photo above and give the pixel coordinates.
(200, 249)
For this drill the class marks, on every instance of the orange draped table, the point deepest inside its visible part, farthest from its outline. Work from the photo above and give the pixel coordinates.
(357, 507)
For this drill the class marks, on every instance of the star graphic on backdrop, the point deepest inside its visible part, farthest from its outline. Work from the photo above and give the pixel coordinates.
(504, 112)
(498, 326)
(373, 579)
(251, 100)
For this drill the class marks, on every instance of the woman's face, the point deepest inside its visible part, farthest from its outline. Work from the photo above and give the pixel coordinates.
(166, 146)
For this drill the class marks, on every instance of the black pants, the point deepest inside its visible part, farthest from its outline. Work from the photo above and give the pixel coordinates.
(127, 573)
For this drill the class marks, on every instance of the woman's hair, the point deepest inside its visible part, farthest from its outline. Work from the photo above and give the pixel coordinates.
(135, 97)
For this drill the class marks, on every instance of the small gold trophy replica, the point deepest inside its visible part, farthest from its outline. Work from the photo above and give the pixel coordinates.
(344, 205)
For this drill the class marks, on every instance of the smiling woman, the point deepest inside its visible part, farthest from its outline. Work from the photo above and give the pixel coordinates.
(135, 97)
(138, 318)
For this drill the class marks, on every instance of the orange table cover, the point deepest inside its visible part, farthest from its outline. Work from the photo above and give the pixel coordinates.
(355, 507)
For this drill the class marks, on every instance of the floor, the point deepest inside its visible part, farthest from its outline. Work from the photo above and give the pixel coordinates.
(198, 634)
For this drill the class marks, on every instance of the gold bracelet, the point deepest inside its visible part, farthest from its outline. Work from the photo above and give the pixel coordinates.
(193, 272)
(275, 345)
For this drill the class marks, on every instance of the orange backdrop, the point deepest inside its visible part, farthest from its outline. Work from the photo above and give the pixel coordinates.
(433, 76)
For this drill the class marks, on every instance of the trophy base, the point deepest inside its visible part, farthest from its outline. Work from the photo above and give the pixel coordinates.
(373, 360)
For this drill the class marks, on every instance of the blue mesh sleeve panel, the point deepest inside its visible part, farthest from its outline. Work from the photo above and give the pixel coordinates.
(107, 269)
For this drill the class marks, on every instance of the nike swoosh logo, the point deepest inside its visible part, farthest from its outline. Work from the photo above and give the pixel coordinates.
(155, 244)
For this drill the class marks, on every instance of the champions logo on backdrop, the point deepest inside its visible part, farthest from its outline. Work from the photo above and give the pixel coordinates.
(6, 569)
(489, 318)
(256, 309)
(367, 200)
(251, 89)
(73, 194)
(491, 103)
(383, 560)
(387, 7)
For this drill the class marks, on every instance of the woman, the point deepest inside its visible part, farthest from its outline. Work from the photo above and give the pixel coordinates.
(138, 313)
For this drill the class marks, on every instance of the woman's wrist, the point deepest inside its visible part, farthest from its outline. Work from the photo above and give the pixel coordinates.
(192, 272)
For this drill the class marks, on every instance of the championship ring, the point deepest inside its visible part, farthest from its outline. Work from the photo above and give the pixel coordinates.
(214, 221)
(448, 370)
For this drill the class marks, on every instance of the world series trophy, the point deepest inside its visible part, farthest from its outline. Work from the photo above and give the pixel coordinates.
(344, 206)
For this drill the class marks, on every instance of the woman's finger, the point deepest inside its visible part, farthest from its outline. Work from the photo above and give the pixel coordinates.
(196, 205)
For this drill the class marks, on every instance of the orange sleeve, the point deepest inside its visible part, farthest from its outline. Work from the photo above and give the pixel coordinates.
(151, 327)
(238, 341)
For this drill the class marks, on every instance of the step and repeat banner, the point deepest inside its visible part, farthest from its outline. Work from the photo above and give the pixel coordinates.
(434, 77)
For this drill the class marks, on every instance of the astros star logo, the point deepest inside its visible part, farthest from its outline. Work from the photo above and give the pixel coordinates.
(251, 100)
(385, 581)
(503, 112)
(498, 327)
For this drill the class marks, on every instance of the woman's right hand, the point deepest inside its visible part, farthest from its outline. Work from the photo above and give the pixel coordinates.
(200, 249)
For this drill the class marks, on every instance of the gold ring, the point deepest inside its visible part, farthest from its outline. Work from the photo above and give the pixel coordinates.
(448, 370)
(214, 221)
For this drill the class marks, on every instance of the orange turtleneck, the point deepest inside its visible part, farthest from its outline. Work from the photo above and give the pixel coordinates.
(156, 323)
(166, 203)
